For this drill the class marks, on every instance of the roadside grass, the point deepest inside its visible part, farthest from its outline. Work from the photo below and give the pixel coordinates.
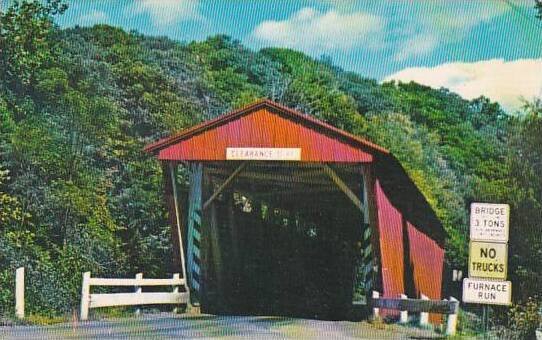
(35, 319)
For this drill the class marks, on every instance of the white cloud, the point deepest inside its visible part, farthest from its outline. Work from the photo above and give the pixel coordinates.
(168, 12)
(92, 18)
(503, 81)
(313, 31)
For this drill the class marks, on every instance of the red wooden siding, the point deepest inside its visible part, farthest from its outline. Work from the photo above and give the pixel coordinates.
(426, 261)
(425, 256)
(264, 128)
(390, 230)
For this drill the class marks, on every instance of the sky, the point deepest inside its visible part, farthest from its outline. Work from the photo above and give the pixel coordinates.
(486, 47)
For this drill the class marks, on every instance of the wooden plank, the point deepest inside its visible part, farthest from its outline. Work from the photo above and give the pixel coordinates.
(224, 185)
(138, 290)
(417, 305)
(19, 292)
(205, 265)
(173, 172)
(234, 237)
(313, 177)
(176, 291)
(195, 235)
(403, 318)
(451, 323)
(426, 258)
(298, 167)
(297, 192)
(131, 299)
(369, 183)
(344, 187)
(376, 310)
(95, 281)
(424, 316)
(172, 218)
(216, 251)
(85, 296)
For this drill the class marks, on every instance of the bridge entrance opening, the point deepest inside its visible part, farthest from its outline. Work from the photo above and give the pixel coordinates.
(279, 238)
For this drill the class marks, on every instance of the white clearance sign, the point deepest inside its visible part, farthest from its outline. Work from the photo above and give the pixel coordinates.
(264, 154)
(489, 222)
(487, 291)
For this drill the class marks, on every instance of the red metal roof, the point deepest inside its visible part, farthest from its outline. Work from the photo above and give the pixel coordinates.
(276, 108)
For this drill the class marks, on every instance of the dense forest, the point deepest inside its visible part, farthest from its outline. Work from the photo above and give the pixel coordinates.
(77, 106)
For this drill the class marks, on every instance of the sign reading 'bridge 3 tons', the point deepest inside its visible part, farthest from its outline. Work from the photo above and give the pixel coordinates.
(488, 255)
(489, 222)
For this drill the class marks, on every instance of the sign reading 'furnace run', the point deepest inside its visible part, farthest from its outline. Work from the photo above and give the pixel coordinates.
(487, 291)
(264, 154)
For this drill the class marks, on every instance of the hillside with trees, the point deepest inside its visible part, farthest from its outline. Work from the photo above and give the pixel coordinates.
(77, 106)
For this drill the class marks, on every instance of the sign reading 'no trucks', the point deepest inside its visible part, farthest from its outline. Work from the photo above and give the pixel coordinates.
(488, 260)
(489, 222)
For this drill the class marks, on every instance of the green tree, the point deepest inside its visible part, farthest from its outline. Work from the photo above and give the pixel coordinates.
(26, 42)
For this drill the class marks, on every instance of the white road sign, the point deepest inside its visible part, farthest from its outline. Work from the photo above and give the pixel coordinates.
(489, 222)
(264, 154)
(487, 291)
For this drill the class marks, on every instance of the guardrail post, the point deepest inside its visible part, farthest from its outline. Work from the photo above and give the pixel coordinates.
(85, 296)
(175, 289)
(451, 322)
(376, 311)
(19, 292)
(424, 316)
(403, 318)
(138, 290)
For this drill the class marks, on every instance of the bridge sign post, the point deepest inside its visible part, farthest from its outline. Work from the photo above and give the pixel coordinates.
(488, 257)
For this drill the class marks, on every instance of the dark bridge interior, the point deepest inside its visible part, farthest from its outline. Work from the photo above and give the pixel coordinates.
(287, 239)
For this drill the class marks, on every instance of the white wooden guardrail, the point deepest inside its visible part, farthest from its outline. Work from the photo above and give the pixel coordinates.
(138, 297)
(19, 292)
(423, 306)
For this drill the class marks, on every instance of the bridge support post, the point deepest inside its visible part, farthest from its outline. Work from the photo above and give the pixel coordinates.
(19, 292)
(85, 296)
(451, 322)
(195, 241)
(138, 290)
(424, 316)
(376, 311)
(403, 317)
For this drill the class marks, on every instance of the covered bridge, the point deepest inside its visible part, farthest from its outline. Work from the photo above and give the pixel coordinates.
(276, 212)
